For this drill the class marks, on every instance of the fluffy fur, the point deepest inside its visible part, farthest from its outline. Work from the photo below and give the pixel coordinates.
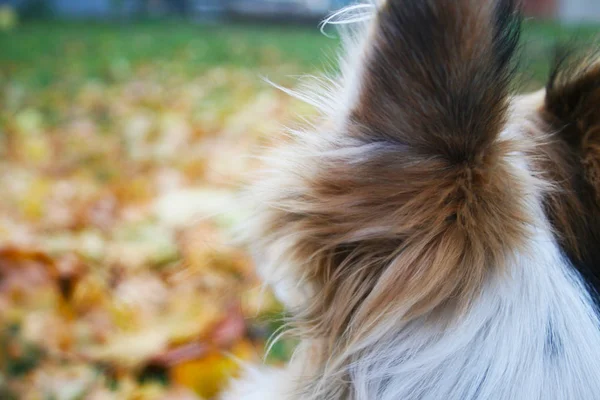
(434, 236)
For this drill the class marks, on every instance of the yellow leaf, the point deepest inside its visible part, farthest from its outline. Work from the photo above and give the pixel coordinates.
(209, 375)
(89, 293)
(35, 149)
(34, 201)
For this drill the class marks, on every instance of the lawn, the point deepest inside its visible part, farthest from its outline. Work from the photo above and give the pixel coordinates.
(122, 147)
(43, 52)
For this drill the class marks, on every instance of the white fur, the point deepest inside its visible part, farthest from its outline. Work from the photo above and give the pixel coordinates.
(499, 350)
(261, 384)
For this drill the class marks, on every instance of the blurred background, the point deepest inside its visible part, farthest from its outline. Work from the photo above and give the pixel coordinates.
(125, 132)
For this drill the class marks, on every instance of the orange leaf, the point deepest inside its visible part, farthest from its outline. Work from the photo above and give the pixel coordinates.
(22, 271)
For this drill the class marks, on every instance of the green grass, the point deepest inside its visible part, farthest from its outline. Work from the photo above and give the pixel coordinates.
(39, 55)
(539, 40)
(42, 52)
(45, 51)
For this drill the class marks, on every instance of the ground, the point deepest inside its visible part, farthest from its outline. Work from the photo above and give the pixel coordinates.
(122, 147)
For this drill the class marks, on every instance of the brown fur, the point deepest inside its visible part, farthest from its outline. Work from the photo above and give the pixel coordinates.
(408, 208)
(571, 125)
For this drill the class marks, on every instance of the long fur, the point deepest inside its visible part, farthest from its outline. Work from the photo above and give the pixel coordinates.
(422, 235)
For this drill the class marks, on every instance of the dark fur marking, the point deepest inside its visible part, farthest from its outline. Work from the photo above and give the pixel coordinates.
(553, 345)
(572, 109)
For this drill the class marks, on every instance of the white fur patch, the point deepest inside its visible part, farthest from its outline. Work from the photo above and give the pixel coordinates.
(532, 335)
(261, 384)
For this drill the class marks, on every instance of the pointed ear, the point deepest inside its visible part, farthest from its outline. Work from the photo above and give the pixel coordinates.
(415, 195)
(437, 74)
(572, 115)
(572, 105)
(572, 109)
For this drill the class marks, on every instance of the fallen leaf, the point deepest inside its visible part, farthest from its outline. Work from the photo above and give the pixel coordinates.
(209, 375)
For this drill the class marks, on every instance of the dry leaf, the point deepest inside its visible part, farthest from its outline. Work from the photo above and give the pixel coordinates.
(118, 201)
